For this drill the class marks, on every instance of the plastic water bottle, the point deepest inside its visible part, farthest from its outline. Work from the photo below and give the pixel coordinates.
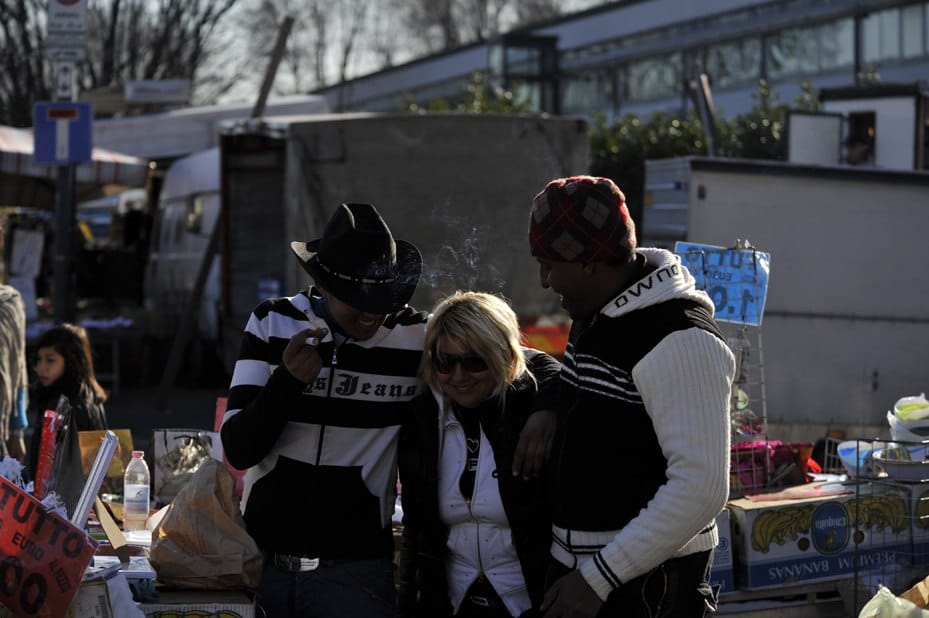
(136, 484)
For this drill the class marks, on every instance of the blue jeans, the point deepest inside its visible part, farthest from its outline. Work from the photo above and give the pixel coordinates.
(341, 590)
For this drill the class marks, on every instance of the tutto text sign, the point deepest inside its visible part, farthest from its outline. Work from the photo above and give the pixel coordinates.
(42, 555)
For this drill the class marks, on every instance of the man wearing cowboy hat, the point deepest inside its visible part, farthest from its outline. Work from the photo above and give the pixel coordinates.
(316, 401)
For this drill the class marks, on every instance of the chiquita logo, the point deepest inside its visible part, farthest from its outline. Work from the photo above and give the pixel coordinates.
(830, 529)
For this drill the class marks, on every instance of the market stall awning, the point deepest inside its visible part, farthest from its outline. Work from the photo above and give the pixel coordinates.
(107, 168)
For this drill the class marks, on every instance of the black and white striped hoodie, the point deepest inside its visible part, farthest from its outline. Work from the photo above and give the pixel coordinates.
(321, 458)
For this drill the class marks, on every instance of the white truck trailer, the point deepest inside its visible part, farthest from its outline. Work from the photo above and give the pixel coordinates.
(459, 186)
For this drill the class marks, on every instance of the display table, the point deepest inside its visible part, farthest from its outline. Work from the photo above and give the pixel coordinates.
(819, 600)
(229, 604)
(170, 602)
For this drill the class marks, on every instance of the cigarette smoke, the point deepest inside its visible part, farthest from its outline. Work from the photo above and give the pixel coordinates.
(461, 260)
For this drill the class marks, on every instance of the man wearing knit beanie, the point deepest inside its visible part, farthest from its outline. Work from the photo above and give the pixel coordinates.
(643, 448)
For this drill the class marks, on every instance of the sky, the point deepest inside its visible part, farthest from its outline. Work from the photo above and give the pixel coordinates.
(246, 90)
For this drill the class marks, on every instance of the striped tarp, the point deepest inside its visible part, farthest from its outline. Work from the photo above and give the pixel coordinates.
(107, 168)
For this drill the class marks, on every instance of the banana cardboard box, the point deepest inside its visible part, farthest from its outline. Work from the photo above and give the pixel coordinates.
(721, 573)
(920, 508)
(785, 542)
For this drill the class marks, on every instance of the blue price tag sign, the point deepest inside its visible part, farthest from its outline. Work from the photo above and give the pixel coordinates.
(736, 279)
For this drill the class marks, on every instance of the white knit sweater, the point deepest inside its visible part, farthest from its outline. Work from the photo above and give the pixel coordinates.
(684, 383)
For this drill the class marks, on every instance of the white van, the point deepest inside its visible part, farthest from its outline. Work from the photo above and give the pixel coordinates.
(187, 212)
(100, 216)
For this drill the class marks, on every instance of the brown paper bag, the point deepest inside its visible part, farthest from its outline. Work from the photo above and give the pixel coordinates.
(202, 541)
(918, 594)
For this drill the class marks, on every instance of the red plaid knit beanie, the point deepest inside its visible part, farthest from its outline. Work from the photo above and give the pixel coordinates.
(581, 219)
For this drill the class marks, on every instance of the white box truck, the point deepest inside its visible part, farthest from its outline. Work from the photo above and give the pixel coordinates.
(459, 186)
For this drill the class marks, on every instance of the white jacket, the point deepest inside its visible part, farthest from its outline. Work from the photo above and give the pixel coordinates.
(479, 539)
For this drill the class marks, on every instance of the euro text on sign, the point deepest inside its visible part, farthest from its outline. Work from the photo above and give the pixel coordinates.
(42, 555)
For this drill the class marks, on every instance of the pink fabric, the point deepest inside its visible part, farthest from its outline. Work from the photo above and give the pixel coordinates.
(754, 464)
(217, 423)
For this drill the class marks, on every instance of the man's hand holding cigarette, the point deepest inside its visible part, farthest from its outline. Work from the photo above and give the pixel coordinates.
(300, 356)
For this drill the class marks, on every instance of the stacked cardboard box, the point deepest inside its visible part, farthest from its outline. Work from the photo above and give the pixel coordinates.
(785, 542)
(722, 571)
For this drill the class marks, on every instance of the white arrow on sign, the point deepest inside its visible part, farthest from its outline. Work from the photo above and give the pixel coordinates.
(63, 118)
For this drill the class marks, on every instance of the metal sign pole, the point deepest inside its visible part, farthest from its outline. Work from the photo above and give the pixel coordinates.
(66, 43)
(63, 302)
(64, 228)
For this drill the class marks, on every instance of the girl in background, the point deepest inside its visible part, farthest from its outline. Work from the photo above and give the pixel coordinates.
(64, 366)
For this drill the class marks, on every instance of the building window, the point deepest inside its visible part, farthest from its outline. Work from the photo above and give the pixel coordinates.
(881, 33)
(523, 60)
(526, 93)
(837, 44)
(913, 18)
(806, 51)
(654, 78)
(586, 91)
(782, 54)
(528, 67)
(794, 51)
(735, 62)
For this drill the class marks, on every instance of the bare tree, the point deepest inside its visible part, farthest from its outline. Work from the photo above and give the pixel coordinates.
(320, 30)
(23, 78)
(335, 40)
(126, 40)
(323, 45)
(528, 11)
(431, 23)
(257, 24)
(351, 24)
(440, 24)
(384, 28)
(139, 39)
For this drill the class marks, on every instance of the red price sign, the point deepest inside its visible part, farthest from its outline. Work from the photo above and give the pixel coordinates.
(42, 555)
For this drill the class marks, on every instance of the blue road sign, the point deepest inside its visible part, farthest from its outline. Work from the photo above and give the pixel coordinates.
(62, 133)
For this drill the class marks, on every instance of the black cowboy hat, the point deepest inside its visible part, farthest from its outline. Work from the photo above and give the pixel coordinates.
(360, 263)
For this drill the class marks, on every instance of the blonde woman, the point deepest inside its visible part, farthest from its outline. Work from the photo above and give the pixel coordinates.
(476, 536)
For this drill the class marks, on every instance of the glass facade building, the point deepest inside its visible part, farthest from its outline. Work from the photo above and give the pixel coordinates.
(644, 55)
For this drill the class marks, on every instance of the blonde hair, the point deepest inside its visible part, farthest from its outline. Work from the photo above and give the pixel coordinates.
(483, 323)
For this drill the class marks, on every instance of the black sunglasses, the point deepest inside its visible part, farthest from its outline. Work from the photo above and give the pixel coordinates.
(470, 362)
